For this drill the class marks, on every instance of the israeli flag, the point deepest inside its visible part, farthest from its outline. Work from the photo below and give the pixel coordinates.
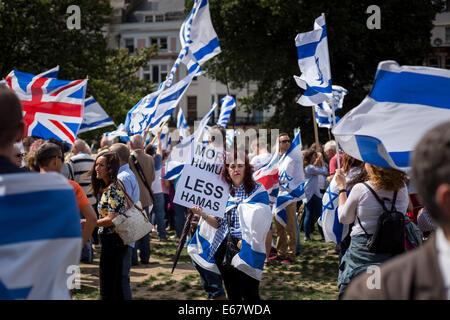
(255, 219)
(198, 40)
(324, 118)
(183, 151)
(314, 63)
(121, 132)
(404, 103)
(182, 125)
(333, 230)
(227, 105)
(291, 180)
(40, 237)
(337, 101)
(146, 113)
(94, 116)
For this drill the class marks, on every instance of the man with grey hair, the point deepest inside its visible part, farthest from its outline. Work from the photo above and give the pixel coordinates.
(82, 162)
(423, 273)
(330, 153)
(143, 168)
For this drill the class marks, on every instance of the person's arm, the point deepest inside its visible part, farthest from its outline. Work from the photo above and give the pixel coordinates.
(159, 144)
(107, 221)
(210, 219)
(315, 171)
(347, 207)
(113, 211)
(89, 223)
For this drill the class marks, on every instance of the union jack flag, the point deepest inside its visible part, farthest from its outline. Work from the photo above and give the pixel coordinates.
(52, 108)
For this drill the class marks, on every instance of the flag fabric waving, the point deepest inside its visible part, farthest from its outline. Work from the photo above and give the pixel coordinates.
(182, 125)
(40, 236)
(94, 116)
(51, 73)
(121, 132)
(324, 118)
(333, 230)
(198, 40)
(146, 114)
(291, 180)
(404, 103)
(183, 151)
(314, 63)
(267, 175)
(52, 108)
(227, 105)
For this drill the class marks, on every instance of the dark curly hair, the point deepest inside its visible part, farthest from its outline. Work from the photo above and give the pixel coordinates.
(249, 182)
(113, 164)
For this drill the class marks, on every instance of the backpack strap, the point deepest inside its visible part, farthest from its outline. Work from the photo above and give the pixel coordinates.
(378, 198)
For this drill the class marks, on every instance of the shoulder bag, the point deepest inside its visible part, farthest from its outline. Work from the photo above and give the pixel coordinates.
(134, 223)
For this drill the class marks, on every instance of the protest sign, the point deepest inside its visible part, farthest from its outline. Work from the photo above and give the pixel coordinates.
(201, 182)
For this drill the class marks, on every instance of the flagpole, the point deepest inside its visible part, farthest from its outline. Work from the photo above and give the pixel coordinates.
(316, 131)
(337, 144)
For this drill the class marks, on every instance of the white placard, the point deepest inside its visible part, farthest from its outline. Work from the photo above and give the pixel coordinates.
(201, 182)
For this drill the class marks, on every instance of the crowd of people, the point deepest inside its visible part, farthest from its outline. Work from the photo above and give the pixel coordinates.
(236, 248)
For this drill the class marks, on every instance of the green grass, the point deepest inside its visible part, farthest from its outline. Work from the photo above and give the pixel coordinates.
(312, 277)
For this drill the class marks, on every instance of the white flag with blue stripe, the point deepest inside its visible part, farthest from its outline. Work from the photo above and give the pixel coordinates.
(291, 180)
(121, 132)
(182, 125)
(146, 114)
(404, 103)
(324, 118)
(255, 218)
(94, 116)
(227, 105)
(333, 230)
(40, 236)
(314, 63)
(198, 40)
(184, 150)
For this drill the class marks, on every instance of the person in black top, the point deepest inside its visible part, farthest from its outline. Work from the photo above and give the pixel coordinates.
(12, 130)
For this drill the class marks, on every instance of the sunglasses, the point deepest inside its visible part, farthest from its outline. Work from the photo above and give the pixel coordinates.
(286, 141)
(20, 155)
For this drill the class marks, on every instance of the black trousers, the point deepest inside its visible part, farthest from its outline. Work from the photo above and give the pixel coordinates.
(239, 286)
(111, 261)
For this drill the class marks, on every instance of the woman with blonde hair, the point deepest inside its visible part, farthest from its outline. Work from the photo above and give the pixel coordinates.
(363, 209)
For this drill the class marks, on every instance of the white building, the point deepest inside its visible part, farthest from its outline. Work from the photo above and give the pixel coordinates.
(440, 40)
(142, 23)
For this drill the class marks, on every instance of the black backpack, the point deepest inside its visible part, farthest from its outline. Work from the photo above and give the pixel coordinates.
(389, 236)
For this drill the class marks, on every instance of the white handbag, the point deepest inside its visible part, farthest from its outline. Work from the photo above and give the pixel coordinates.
(134, 223)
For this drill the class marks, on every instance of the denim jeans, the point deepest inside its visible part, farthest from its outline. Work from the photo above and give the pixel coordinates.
(158, 214)
(212, 282)
(313, 210)
(180, 218)
(126, 274)
(87, 253)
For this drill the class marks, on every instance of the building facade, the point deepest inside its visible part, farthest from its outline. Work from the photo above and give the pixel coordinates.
(440, 40)
(137, 24)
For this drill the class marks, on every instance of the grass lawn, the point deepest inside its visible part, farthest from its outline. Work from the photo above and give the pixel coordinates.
(312, 277)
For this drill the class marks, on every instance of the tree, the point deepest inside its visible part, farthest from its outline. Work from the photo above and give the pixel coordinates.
(36, 37)
(257, 39)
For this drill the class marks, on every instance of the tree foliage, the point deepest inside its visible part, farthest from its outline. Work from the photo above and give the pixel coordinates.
(35, 38)
(257, 38)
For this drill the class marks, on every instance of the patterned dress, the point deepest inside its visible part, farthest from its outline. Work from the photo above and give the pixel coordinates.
(112, 200)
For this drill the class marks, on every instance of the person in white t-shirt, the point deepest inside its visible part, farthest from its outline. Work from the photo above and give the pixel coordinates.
(363, 209)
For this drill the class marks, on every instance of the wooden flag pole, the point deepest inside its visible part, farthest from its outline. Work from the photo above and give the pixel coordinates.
(316, 131)
(337, 144)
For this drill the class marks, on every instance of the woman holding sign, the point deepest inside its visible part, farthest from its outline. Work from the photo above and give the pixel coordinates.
(235, 245)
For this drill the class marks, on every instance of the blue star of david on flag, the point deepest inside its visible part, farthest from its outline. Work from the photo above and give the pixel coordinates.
(331, 197)
(283, 177)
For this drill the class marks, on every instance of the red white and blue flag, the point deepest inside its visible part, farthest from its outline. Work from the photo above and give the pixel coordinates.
(52, 108)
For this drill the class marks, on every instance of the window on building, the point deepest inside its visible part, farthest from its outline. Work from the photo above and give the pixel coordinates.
(447, 34)
(148, 19)
(174, 16)
(160, 42)
(159, 18)
(434, 62)
(191, 109)
(155, 72)
(447, 62)
(129, 44)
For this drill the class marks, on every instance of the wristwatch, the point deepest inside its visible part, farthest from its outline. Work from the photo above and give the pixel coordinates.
(342, 190)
